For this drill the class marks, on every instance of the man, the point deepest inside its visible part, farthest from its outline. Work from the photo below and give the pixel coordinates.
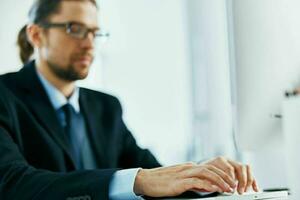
(72, 129)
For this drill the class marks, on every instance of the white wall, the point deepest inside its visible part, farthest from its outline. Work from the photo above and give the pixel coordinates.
(145, 63)
(13, 17)
(210, 58)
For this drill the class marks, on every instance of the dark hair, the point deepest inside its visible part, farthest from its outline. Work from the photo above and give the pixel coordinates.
(39, 13)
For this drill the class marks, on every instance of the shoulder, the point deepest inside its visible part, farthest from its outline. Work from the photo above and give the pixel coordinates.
(25, 75)
(14, 81)
(8, 77)
(94, 96)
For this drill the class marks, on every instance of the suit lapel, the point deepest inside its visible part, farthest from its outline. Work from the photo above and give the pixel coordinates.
(39, 103)
(92, 112)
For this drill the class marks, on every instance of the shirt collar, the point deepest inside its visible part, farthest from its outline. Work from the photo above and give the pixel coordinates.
(57, 99)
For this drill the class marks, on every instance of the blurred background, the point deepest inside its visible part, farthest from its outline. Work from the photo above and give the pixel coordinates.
(196, 78)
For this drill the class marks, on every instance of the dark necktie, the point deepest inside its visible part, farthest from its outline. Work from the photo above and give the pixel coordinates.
(74, 134)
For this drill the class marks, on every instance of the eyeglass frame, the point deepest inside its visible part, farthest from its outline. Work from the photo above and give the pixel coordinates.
(67, 25)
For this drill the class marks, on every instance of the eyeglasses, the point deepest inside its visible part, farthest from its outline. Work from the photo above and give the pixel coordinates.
(76, 30)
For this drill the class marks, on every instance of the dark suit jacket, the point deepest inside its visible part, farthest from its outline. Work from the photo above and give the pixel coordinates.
(40, 138)
(32, 162)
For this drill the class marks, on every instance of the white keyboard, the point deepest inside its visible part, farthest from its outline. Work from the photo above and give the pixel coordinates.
(281, 195)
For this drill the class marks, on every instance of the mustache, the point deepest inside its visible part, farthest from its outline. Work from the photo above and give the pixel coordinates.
(83, 54)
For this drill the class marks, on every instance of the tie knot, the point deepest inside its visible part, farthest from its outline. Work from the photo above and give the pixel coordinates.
(68, 108)
(69, 111)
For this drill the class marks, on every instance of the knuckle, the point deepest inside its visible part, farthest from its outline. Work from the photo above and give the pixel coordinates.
(184, 173)
(190, 164)
(219, 179)
(240, 167)
(243, 183)
(204, 170)
(227, 177)
(186, 166)
(191, 184)
(194, 180)
(250, 181)
(208, 167)
(248, 167)
(187, 186)
(229, 169)
(206, 182)
(222, 158)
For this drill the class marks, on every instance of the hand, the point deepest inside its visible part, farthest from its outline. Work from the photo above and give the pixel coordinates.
(237, 171)
(174, 180)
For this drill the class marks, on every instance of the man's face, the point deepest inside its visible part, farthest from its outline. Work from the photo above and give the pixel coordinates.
(67, 57)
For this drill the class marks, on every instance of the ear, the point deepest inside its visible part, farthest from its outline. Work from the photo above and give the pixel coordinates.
(35, 35)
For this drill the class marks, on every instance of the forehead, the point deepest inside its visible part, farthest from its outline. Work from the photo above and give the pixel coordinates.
(84, 12)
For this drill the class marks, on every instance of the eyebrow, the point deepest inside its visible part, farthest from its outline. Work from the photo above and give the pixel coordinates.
(80, 23)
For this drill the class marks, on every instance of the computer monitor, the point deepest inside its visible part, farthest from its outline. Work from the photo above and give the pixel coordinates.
(267, 50)
(259, 136)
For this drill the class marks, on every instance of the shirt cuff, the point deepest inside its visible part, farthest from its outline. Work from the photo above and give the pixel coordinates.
(121, 185)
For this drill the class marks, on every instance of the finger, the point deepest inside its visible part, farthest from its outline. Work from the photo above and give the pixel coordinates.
(202, 172)
(242, 178)
(229, 170)
(227, 178)
(250, 179)
(255, 186)
(223, 164)
(201, 185)
(241, 175)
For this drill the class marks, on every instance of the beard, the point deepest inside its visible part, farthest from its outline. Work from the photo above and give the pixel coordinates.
(68, 73)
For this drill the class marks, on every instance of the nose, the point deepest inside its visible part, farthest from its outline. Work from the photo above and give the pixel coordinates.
(89, 41)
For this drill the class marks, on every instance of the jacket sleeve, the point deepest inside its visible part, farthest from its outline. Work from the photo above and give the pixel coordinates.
(19, 180)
